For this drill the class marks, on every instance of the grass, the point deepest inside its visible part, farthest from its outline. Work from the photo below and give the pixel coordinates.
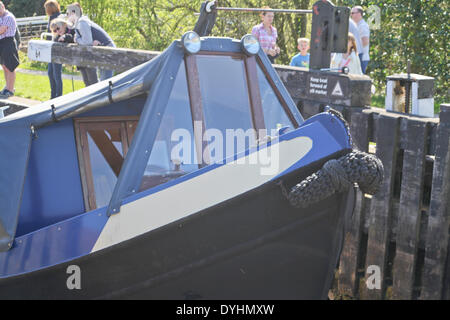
(37, 87)
(26, 63)
(378, 101)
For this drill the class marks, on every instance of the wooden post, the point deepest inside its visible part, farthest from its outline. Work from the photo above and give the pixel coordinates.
(104, 57)
(410, 209)
(387, 139)
(437, 240)
(348, 281)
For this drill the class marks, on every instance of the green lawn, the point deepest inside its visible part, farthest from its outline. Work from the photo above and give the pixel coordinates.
(37, 87)
(377, 101)
(26, 63)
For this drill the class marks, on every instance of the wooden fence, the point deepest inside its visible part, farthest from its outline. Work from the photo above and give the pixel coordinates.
(403, 231)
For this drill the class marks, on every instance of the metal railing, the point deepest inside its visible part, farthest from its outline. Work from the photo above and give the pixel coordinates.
(31, 21)
(31, 27)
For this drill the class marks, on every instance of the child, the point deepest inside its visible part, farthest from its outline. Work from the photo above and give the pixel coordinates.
(301, 59)
(349, 59)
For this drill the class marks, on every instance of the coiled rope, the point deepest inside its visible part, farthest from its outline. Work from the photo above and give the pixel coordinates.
(337, 176)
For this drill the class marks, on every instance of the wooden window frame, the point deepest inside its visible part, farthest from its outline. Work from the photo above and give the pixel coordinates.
(81, 127)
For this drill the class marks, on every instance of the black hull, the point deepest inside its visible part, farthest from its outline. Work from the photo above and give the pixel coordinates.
(255, 246)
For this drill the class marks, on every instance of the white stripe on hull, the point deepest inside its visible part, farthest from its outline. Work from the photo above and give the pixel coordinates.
(196, 194)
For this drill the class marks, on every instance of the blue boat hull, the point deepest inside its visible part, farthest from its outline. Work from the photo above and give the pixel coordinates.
(254, 246)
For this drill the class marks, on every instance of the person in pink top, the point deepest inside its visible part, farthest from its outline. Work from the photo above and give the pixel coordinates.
(267, 35)
(9, 56)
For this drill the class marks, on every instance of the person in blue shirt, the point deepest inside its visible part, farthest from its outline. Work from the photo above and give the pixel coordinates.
(302, 58)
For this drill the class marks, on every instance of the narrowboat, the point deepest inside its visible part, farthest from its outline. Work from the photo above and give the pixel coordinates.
(172, 180)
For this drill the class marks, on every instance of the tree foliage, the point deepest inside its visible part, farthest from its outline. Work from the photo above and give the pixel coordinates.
(25, 8)
(414, 30)
(410, 29)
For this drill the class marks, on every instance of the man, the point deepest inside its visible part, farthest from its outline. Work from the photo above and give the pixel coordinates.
(353, 28)
(89, 33)
(364, 33)
(9, 56)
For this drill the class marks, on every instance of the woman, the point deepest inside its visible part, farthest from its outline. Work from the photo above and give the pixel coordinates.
(267, 35)
(9, 57)
(61, 31)
(89, 33)
(53, 10)
(349, 59)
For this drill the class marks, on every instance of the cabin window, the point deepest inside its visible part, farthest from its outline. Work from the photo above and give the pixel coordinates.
(275, 116)
(173, 154)
(226, 102)
(224, 91)
(102, 145)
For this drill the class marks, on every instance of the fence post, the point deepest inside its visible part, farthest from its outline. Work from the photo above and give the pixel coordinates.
(436, 247)
(408, 225)
(387, 139)
(348, 281)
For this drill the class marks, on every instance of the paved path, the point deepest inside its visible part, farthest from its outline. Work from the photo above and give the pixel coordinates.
(22, 101)
(16, 104)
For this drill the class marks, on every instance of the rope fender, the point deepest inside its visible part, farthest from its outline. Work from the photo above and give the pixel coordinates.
(337, 176)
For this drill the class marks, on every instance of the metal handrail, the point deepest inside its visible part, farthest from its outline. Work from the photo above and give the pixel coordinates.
(300, 11)
(44, 35)
(32, 20)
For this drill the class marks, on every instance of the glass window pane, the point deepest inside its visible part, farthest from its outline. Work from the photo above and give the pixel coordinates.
(226, 104)
(173, 154)
(223, 84)
(106, 158)
(275, 116)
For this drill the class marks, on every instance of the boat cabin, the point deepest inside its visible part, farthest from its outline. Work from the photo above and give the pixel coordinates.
(178, 104)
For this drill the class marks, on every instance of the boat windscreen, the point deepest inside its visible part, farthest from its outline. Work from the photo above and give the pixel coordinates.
(173, 154)
(224, 90)
(275, 116)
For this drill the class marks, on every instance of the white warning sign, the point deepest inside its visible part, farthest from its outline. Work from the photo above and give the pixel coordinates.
(337, 91)
(318, 86)
(40, 50)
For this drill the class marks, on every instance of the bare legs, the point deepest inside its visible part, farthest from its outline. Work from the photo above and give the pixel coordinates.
(10, 77)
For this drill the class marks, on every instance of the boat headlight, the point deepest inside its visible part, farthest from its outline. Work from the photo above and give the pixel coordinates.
(250, 44)
(191, 42)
